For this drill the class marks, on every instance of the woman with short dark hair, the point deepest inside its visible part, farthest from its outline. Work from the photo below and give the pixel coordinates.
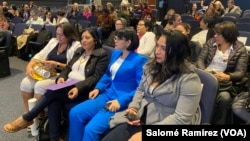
(227, 59)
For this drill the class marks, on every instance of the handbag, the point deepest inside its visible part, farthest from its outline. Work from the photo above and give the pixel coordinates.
(233, 88)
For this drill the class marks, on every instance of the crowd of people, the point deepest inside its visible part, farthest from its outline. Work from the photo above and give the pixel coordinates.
(150, 74)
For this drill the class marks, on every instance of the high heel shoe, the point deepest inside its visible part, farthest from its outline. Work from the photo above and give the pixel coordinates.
(16, 125)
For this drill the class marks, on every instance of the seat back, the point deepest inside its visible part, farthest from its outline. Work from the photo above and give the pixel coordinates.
(237, 16)
(109, 50)
(37, 27)
(4, 56)
(93, 20)
(52, 29)
(186, 17)
(208, 95)
(194, 24)
(12, 26)
(19, 27)
(243, 26)
(16, 20)
(84, 23)
(72, 21)
(247, 35)
(229, 18)
(244, 20)
(80, 17)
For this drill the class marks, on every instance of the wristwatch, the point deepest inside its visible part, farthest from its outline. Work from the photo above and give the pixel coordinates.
(57, 65)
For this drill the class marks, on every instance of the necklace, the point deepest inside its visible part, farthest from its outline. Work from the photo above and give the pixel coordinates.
(61, 48)
(83, 59)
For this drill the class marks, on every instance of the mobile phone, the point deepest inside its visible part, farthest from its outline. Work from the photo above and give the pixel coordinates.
(107, 106)
(132, 117)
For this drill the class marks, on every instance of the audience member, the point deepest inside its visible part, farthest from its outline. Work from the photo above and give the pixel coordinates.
(124, 13)
(34, 18)
(5, 4)
(167, 17)
(55, 55)
(31, 4)
(104, 23)
(90, 119)
(146, 9)
(194, 48)
(87, 66)
(166, 94)
(25, 13)
(48, 19)
(74, 12)
(195, 12)
(86, 12)
(13, 9)
(232, 8)
(227, 59)
(8, 15)
(146, 37)
(119, 23)
(204, 32)
(219, 7)
(61, 17)
(212, 13)
(4, 24)
(175, 19)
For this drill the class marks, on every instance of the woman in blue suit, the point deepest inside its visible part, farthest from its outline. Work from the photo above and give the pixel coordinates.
(112, 93)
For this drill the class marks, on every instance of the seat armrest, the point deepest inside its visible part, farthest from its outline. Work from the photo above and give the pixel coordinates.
(3, 48)
(243, 81)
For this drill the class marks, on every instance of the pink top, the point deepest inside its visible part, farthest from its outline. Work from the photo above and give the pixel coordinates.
(87, 14)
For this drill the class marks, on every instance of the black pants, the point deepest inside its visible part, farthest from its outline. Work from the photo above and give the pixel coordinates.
(122, 132)
(56, 101)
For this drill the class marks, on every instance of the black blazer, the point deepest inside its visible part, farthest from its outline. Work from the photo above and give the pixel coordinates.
(94, 69)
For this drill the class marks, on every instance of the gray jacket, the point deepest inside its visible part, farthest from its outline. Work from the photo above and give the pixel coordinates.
(174, 102)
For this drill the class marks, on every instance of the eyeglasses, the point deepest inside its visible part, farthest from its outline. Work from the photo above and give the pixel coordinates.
(140, 24)
(118, 24)
(118, 39)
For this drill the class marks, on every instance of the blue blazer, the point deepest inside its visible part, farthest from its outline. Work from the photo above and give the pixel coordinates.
(126, 81)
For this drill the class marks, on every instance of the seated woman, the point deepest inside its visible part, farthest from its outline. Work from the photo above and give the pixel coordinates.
(87, 66)
(55, 55)
(194, 47)
(4, 24)
(146, 37)
(61, 17)
(114, 90)
(119, 23)
(166, 95)
(173, 21)
(204, 32)
(227, 59)
(34, 18)
(167, 17)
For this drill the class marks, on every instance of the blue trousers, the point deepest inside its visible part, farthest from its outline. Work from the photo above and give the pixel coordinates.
(89, 120)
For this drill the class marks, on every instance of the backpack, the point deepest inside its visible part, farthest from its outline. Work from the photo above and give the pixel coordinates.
(41, 40)
(44, 36)
(43, 129)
